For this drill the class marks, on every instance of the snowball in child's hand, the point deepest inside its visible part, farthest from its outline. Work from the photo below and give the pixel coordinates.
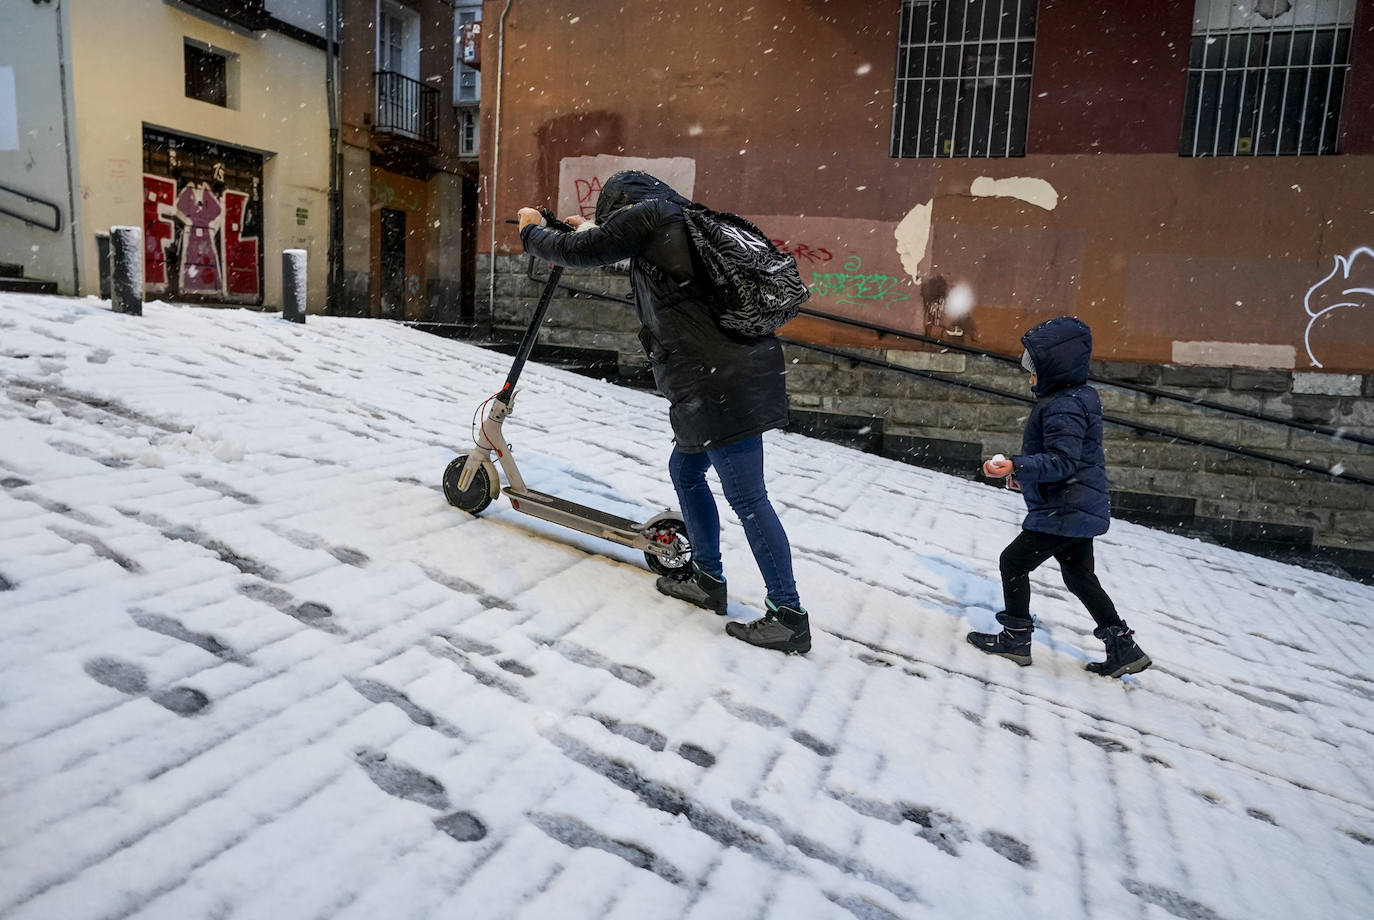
(998, 458)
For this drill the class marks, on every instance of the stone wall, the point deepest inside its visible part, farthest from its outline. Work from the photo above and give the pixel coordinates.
(1239, 501)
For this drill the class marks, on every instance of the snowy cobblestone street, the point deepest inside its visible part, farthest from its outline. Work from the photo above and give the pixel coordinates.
(252, 664)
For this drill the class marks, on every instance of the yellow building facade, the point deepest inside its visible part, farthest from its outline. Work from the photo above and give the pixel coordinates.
(205, 124)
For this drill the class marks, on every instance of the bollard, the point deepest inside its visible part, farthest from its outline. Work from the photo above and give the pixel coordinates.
(102, 258)
(126, 270)
(293, 285)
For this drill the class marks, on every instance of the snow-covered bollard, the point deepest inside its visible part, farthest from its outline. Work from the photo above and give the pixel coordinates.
(102, 258)
(126, 270)
(293, 285)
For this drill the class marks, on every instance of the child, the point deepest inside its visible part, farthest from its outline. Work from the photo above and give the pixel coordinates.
(1062, 474)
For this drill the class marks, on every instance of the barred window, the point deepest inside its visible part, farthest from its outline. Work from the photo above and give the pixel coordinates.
(963, 78)
(1266, 77)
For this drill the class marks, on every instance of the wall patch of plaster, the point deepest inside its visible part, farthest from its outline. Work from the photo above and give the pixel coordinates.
(1032, 191)
(1235, 354)
(913, 237)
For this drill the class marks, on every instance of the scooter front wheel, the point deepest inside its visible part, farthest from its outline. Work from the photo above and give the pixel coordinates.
(476, 496)
(670, 533)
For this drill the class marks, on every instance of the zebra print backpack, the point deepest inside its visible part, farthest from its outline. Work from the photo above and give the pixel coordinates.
(754, 286)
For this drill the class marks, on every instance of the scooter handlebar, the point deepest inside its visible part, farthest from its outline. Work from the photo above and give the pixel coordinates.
(552, 221)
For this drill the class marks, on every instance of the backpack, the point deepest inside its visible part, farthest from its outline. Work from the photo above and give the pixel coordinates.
(753, 286)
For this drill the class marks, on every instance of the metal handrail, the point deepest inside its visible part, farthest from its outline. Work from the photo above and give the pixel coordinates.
(1311, 427)
(1296, 424)
(407, 107)
(28, 220)
(1305, 466)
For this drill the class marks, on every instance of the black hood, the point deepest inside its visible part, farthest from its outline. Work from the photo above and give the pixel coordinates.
(631, 187)
(1061, 349)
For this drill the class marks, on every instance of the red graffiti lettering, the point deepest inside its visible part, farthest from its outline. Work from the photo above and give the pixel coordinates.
(588, 191)
(158, 230)
(240, 250)
(804, 252)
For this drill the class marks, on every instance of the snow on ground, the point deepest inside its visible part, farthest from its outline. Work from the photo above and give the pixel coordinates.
(253, 665)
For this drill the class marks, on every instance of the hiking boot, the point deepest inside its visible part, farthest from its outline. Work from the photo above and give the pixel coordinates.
(1123, 655)
(783, 629)
(700, 588)
(1012, 642)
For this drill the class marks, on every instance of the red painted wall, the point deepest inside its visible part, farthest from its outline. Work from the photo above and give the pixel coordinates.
(1358, 115)
(1109, 76)
(785, 109)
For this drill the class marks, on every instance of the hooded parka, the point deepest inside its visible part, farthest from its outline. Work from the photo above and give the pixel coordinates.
(1061, 468)
(720, 388)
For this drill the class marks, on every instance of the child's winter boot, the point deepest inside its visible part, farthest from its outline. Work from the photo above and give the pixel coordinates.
(1123, 655)
(1014, 641)
(783, 629)
(703, 589)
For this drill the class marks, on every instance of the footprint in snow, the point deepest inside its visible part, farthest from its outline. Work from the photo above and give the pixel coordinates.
(127, 677)
(406, 782)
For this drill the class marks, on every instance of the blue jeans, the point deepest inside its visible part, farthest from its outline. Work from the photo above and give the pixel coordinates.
(740, 467)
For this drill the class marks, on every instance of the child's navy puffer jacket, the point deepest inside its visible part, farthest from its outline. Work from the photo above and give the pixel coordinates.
(1061, 469)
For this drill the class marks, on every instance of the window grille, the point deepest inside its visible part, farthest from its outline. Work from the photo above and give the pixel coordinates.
(1266, 77)
(963, 78)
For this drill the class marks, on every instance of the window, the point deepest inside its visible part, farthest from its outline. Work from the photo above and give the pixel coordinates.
(467, 132)
(1266, 77)
(206, 77)
(963, 78)
(467, 85)
(398, 40)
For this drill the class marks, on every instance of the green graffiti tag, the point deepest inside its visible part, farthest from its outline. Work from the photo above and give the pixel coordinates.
(851, 286)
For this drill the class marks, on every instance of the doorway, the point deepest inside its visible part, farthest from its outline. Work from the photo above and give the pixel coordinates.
(393, 267)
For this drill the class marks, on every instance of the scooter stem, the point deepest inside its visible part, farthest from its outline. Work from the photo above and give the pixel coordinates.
(531, 335)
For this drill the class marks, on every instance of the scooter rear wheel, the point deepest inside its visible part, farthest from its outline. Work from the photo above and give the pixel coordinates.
(671, 532)
(475, 498)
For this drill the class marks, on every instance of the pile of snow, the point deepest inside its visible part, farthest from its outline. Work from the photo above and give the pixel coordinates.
(253, 665)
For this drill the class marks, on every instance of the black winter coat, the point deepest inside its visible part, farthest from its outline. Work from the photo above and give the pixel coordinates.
(1061, 468)
(720, 388)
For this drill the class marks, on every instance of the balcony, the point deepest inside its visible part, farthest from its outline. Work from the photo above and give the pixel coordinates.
(407, 112)
(250, 14)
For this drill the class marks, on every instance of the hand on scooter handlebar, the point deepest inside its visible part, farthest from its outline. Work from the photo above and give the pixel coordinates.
(543, 217)
(552, 221)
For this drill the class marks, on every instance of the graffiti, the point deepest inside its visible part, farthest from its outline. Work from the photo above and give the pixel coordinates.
(580, 178)
(202, 230)
(200, 209)
(853, 287)
(242, 238)
(1333, 293)
(159, 226)
(588, 191)
(385, 195)
(801, 251)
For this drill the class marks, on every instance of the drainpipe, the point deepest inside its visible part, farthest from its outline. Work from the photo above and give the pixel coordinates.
(496, 154)
(334, 271)
(73, 223)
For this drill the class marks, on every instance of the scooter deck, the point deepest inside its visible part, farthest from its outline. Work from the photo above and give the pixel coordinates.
(579, 517)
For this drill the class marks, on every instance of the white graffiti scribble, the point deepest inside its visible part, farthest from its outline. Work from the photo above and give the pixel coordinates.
(1348, 297)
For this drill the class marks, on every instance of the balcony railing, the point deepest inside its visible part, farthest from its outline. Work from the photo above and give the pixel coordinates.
(407, 108)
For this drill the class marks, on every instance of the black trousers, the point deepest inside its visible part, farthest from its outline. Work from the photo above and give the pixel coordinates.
(1028, 551)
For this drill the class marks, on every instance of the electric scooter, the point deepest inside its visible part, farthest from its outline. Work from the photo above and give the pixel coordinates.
(471, 481)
